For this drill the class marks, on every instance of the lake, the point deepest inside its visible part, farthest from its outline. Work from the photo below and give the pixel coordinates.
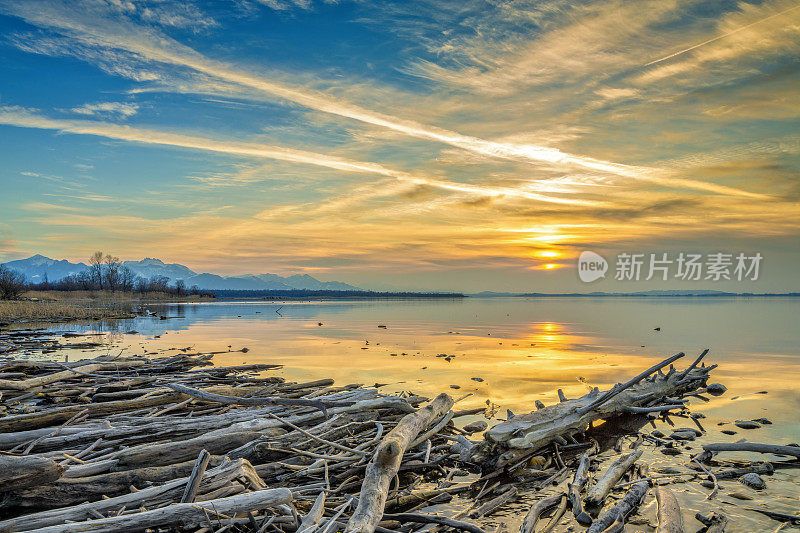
(523, 349)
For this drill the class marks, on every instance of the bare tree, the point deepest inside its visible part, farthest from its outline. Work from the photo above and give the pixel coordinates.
(96, 269)
(180, 287)
(159, 284)
(127, 279)
(112, 272)
(12, 283)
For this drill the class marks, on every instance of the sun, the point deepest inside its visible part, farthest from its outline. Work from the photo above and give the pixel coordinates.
(549, 254)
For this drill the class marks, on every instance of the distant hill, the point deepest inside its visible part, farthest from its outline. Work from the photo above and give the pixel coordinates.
(39, 268)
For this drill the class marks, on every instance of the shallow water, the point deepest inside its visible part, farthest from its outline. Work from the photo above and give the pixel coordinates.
(522, 350)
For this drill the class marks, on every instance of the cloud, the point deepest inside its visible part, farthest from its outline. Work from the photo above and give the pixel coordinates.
(21, 118)
(119, 109)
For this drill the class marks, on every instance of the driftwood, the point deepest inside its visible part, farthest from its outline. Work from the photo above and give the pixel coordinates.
(183, 514)
(19, 472)
(386, 462)
(536, 511)
(135, 445)
(576, 487)
(535, 430)
(774, 449)
(598, 493)
(430, 519)
(168, 492)
(670, 519)
(310, 520)
(622, 509)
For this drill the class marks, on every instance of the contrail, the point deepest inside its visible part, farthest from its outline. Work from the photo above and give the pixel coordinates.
(737, 30)
(14, 117)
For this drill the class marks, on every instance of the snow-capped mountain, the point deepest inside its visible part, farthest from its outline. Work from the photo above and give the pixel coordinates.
(38, 268)
(149, 267)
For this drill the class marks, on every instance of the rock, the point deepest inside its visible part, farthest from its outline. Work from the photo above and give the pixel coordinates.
(764, 421)
(479, 380)
(657, 434)
(671, 451)
(740, 496)
(728, 432)
(476, 427)
(455, 386)
(753, 480)
(682, 435)
(747, 424)
(716, 389)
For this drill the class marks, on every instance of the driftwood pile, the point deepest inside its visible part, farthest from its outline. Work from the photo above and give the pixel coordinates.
(176, 444)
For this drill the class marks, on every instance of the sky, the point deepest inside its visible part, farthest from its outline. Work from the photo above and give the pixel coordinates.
(436, 145)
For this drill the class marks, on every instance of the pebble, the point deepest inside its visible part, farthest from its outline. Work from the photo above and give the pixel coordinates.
(671, 451)
(476, 427)
(728, 432)
(753, 480)
(716, 389)
(764, 421)
(455, 386)
(479, 380)
(740, 496)
(747, 424)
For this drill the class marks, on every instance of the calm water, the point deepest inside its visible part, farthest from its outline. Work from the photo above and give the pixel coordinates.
(523, 350)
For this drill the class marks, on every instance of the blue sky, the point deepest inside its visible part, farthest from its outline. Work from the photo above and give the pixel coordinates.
(462, 145)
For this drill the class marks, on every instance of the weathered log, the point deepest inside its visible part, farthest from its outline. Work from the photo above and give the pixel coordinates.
(615, 471)
(199, 468)
(184, 450)
(622, 509)
(181, 514)
(158, 495)
(495, 503)
(386, 463)
(310, 520)
(576, 487)
(47, 379)
(537, 429)
(19, 472)
(670, 519)
(535, 512)
(431, 519)
(774, 449)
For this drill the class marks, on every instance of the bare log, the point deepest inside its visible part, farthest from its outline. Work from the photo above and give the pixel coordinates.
(180, 514)
(386, 463)
(216, 478)
(617, 469)
(536, 511)
(47, 379)
(576, 487)
(537, 429)
(622, 509)
(196, 477)
(431, 519)
(19, 472)
(774, 449)
(670, 519)
(310, 520)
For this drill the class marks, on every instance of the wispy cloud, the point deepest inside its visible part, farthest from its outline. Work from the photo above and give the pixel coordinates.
(17, 117)
(118, 109)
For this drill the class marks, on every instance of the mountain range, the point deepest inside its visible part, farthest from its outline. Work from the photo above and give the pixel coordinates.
(37, 268)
